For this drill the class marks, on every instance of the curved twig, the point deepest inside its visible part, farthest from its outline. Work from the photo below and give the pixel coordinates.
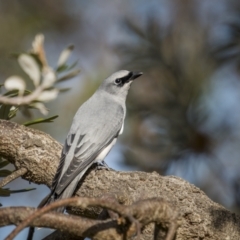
(76, 202)
(13, 176)
(67, 224)
(17, 101)
(142, 212)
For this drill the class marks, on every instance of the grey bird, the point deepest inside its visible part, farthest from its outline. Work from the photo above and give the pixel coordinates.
(95, 129)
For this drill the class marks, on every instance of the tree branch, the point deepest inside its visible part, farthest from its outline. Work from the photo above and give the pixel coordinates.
(39, 154)
(139, 214)
(28, 148)
(12, 176)
(77, 225)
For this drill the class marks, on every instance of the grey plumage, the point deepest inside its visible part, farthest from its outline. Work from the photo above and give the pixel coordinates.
(94, 131)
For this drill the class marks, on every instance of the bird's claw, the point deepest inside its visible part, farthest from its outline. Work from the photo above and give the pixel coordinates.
(103, 165)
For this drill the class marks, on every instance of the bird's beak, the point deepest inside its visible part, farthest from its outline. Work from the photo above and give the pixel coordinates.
(136, 75)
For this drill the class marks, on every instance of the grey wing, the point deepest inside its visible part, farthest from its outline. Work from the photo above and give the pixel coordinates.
(65, 150)
(88, 147)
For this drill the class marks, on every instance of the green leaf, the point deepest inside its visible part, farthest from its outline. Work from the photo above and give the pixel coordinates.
(69, 75)
(59, 89)
(40, 120)
(22, 190)
(73, 65)
(5, 173)
(62, 68)
(6, 192)
(38, 60)
(3, 164)
(63, 89)
(65, 67)
(14, 93)
(4, 111)
(13, 113)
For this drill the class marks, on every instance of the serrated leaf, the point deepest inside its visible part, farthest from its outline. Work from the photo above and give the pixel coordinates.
(15, 82)
(3, 164)
(5, 173)
(40, 120)
(30, 67)
(65, 54)
(4, 111)
(69, 75)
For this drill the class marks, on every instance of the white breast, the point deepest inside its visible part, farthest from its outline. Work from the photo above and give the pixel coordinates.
(121, 131)
(105, 151)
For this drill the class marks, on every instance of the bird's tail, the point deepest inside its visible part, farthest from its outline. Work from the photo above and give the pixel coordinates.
(45, 201)
(67, 192)
(49, 199)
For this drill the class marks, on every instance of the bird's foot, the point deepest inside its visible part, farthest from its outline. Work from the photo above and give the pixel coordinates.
(103, 165)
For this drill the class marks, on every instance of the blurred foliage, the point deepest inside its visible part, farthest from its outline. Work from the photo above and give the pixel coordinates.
(44, 78)
(40, 120)
(183, 113)
(25, 19)
(178, 65)
(168, 114)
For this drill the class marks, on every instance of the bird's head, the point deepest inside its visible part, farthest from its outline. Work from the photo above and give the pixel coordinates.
(119, 82)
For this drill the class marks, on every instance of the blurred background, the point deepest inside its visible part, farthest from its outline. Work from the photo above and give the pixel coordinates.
(184, 113)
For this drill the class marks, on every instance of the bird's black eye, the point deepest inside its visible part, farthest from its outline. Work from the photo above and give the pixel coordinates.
(118, 81)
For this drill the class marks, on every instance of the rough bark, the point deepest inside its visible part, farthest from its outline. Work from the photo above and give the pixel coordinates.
(39, 154)
(131, 218)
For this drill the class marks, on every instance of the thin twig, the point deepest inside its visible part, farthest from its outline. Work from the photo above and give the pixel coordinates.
(13, 176)
(25, 100)
(76, 202)
(70, 224)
